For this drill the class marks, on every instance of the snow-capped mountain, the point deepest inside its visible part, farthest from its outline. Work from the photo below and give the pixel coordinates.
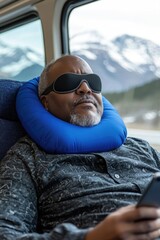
(125, 62)
(15, 62)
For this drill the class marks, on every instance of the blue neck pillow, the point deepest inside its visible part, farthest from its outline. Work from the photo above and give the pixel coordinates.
(54, 135)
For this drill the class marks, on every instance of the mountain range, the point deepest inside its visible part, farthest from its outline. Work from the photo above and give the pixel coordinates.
(123, 63)
(19, 63)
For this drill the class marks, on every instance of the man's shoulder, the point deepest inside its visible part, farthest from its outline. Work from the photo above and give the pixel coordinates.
(24, 145)
(138, 144)
(135, 140)
(25, 140)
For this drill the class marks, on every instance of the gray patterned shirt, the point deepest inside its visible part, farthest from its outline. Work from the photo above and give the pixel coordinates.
(59, 197)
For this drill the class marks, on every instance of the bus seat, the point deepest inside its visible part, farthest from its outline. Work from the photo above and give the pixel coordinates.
(10, 127)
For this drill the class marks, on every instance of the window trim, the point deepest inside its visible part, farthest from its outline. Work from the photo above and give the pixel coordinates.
(67, 9)
(19, 21)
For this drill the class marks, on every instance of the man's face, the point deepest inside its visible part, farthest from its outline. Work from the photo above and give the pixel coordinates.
(82, 106)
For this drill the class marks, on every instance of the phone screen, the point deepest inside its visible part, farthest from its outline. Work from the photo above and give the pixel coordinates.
(151, 196)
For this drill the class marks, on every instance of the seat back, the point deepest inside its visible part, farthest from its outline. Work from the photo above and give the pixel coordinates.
(10, 127)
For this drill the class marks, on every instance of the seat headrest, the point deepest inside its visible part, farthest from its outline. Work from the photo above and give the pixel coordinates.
(10, 126)
(8, 92)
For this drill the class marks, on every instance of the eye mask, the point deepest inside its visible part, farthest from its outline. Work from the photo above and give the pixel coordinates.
(69, 82)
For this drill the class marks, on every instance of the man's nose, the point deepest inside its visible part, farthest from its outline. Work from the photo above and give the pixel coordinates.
(83, 88)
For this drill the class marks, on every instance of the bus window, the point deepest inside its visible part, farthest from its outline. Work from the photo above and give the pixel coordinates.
(121, 42)
(22, 52)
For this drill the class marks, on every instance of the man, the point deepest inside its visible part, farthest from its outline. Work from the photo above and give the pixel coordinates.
(78, 196)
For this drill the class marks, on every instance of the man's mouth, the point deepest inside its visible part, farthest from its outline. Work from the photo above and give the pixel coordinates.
(86, 101)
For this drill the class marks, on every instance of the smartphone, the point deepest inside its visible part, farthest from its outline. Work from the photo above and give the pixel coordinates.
(151, 196)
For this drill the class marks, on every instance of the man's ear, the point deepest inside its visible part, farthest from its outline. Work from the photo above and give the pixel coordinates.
(44, 101)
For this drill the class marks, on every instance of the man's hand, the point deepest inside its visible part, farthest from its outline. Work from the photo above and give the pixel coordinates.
(128, 223)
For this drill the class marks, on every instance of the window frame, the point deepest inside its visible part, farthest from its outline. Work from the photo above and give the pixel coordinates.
(18, 21)
(67, 9)
(21, 21)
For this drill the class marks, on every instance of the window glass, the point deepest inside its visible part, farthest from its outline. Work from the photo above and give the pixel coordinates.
(121, 41)
(22, 52)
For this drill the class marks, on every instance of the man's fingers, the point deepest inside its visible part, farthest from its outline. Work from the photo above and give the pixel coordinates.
(147, 226)
(141, 213)
(146, 236)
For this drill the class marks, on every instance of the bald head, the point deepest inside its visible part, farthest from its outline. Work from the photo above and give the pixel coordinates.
(65, 64)
(72, 64)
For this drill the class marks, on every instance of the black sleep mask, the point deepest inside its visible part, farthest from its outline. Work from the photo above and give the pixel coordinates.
(69, 82)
